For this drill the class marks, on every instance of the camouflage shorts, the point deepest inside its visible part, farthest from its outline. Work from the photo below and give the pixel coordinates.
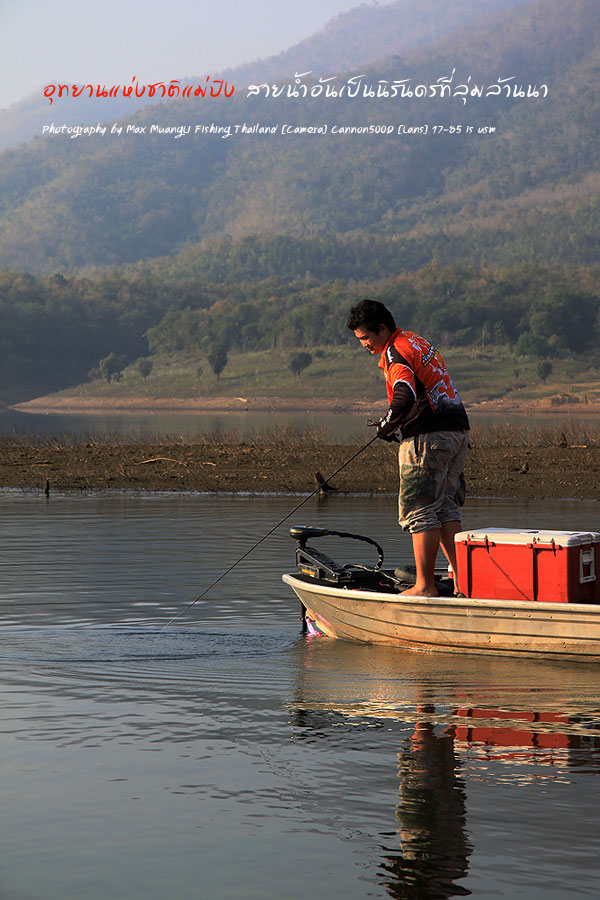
(431, 479)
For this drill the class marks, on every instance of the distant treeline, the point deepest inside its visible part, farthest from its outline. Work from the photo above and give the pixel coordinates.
(56, 329)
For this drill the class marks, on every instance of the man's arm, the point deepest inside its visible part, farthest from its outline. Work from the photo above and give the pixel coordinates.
(403, 399)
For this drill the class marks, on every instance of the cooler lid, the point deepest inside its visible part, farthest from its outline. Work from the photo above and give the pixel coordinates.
(528, 536)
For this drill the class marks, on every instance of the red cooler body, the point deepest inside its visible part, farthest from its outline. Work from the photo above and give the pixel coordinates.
(515, 564)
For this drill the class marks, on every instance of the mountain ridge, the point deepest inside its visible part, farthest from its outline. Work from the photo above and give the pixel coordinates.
(119, 203)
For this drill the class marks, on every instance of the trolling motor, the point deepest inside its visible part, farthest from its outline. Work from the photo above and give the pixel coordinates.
(318, 565)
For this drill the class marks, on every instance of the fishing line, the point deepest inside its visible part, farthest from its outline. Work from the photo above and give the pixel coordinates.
(269, 533)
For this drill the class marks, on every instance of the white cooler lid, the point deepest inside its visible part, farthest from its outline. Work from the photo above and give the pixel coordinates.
(528, 536)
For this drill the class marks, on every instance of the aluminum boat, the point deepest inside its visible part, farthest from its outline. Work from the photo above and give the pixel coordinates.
(363, 603)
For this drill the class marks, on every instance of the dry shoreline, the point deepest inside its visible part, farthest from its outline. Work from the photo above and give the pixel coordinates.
(77, 405)
(287, 465)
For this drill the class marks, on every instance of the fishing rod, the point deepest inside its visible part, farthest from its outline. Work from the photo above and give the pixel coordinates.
(269, 533)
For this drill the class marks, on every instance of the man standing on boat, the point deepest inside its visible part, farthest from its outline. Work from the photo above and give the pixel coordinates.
(427, 410)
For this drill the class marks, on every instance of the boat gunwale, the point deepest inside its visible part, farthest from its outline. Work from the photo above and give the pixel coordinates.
(456, 602)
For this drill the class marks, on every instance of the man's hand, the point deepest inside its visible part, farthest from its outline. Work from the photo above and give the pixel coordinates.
(390, 438)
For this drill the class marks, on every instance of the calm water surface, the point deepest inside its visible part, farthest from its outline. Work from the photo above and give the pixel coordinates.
(334, 426)
(229, 756)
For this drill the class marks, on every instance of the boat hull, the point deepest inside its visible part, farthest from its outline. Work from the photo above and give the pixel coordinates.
(449, 624)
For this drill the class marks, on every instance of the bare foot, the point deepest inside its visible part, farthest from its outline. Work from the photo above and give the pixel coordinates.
(418, 592)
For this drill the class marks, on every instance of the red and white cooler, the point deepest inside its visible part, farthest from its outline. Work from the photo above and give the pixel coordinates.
(516, 564)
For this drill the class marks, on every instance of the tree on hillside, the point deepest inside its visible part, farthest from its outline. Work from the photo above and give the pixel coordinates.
(144, 367)
(217, 357)
(544, 368)
(111, 367)
(298, 362)
(530, 344)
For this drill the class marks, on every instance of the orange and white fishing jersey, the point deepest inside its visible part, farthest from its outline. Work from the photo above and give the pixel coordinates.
(420, 390)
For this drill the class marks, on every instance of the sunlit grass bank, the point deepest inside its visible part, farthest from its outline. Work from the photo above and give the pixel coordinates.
(345, 374)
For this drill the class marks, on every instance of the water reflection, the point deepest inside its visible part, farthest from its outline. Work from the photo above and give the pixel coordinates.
(434, 848)
(334, 426)
(458, 720)
(404, 767)
(139, 762)
(337, 426)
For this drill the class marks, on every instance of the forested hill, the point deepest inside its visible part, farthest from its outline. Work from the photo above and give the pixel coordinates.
(526, 192)
(372, 32)
(352, 38)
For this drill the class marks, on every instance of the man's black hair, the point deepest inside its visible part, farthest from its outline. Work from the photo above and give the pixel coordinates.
(370, 314)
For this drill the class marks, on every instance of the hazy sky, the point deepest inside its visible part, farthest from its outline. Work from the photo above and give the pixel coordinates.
(115, 40)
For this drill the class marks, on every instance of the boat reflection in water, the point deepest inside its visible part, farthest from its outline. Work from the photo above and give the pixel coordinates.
(460, 722)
